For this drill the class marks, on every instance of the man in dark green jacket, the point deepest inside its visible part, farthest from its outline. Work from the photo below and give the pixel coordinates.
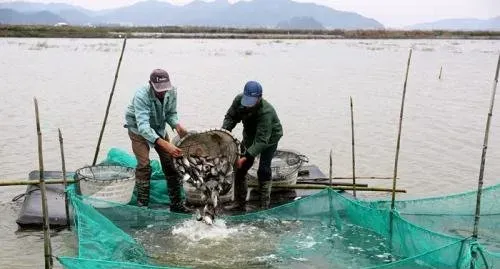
(261, 133)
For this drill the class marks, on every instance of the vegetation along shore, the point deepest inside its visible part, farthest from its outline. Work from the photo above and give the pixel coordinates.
(230, 33)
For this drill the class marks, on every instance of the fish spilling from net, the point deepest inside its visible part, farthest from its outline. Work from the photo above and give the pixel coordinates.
(210, 175)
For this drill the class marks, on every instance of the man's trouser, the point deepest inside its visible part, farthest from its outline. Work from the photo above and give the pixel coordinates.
(264, 175)
(140, 147)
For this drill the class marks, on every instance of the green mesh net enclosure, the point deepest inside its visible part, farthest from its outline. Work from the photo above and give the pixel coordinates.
(325, 230)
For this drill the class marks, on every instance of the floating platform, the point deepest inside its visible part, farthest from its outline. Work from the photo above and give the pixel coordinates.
(31, 217)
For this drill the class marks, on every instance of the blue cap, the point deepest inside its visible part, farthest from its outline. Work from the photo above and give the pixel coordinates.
(251, 93)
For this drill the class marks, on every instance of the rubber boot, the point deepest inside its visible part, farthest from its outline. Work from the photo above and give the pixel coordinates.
(143, 185)
(175, 195)
(240, 193)
(265, 194)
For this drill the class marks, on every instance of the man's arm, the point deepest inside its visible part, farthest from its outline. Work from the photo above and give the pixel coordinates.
(262, 136)
(172, 117)
(232, 118)
(142, 110)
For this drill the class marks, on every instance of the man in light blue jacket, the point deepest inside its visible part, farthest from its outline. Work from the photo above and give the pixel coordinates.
(152, 108)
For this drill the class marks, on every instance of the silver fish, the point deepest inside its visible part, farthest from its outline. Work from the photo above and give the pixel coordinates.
(192, 161)
(185, 162)
(206, 167)
(186, 177)
(213, 171)
(195, 172)
(216, 161)
(199, 167)
(198, 215)
(208, 220)
(204, 188)
(215, 196)
(182, 169)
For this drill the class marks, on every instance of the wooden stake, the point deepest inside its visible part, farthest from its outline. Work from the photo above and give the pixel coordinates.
(483, 155)
(66, 207)
(330, 170)
(399, 132)
(46, 226)
(109, 103)
(353, 153)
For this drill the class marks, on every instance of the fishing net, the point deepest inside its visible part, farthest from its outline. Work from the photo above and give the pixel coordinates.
(328, 229)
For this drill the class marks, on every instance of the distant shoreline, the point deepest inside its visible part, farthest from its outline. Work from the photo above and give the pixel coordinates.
(178, 32)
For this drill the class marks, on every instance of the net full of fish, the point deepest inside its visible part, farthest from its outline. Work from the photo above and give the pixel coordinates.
(211, 176)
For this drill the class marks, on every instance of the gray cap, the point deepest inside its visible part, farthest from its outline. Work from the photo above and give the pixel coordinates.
(160, 80)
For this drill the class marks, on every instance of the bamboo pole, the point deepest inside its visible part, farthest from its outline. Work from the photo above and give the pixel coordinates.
(63, 162)
(330, 169)
(483, 155)
(334, 184)
(350, 178)
(46, 226)
(345, 188)
(353, 153)
(398, 144)
(399, 132)
(109, 103)
(17, 182)
(20, 182)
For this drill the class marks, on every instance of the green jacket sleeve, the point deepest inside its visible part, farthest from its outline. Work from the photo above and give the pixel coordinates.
(172, 118)
(141, 108)
(232, 118)
(262, 136)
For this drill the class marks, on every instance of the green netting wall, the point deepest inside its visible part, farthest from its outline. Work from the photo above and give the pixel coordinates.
(454, 215)
(325, 230)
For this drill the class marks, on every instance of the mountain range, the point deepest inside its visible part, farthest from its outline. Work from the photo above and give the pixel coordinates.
(460, 24)
(219, 13)
(283, 14)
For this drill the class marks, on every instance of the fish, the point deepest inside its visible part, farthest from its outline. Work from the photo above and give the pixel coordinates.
(186, 177)
(192, 161)
(215, 196)
(206, 167)
(185, 162)
(213, 171)
(198, 215)
(196, 173)
(199, 167)
(208, 220)
(182, 169)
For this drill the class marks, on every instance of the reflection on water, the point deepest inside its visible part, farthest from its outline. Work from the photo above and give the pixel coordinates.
(268, 243)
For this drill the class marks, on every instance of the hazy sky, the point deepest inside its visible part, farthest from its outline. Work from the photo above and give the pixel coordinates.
(392, 13)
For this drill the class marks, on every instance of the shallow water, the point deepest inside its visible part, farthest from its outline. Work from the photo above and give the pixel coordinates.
(308, 81)
(264, 244)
